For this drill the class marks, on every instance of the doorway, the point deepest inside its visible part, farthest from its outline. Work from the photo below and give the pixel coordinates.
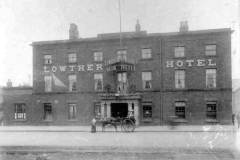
(119, 110)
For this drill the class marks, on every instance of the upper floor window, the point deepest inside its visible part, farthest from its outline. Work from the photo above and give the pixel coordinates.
(72, 79)
(180, 109)
(122, 82)
(48, 83)
(211, 78)
(210, 50)
(179, 79)
(179, 51)
(48, 59)
(98, 81)
(20, 111)
(98, 56)
(121, 55)
(146, 53)
(147, 80)
(211, 110)
(72, 58)
(72, 111)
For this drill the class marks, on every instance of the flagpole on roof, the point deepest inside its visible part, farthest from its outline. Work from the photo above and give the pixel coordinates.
(120, 21)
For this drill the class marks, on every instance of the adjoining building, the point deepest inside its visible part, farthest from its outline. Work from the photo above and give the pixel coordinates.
(236, 96)
(186, 74)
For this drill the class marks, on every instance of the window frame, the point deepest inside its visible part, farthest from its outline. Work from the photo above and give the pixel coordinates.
(146, 55)
(48, 80)
(71, 58)
(97, 58)
(179, 53)
(47, 59)
(178, 113)
(213, 112)
(180, 78)
(210, 51)
(72, 83)
(145, 80)
(73, 115)
(45, 110)
(122, 55)
(20, 114)
(147, 106)
(97, 110)
(96, 81)
(213, 79)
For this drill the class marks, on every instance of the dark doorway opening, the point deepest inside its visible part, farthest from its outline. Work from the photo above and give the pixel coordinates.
(119, 110)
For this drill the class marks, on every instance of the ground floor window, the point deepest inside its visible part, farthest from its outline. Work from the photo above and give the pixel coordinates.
(211, 110)
(147, 111)
(97, 109)
(72, 111)
(20, 111)
(47, 115)
(180, 108)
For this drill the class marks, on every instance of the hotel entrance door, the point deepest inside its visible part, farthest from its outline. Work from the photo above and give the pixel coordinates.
(119, 110)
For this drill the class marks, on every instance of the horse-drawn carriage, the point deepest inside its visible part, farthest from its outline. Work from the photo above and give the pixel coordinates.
(127, 124)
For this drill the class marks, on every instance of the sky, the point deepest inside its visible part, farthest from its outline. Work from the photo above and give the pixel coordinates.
(27, 21)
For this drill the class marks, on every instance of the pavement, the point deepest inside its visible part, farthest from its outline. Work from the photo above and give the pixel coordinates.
(198, 142)
(187, 128)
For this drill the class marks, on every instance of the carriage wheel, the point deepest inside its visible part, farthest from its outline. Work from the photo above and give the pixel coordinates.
(128, 125)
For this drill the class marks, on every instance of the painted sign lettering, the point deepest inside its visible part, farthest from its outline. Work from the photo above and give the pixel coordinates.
(73, 68)
(190, 63)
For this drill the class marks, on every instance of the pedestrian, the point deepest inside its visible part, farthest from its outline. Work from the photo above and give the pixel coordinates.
(233, 119)
(93, 125)
(238, 119)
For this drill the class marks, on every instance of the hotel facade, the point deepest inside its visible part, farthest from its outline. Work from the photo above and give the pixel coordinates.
(185, 74)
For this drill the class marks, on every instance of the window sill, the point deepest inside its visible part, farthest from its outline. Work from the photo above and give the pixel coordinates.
(184, 57)
(47, 120)
(71, 63)
(180, 89)
(98, 91)
(211, 89)
(148, 90)
(211, 55)
(20, 120)
(147, 120)
(72, 120)
(146, 59)
(72, 91)
(98, 61)
(49, 64)
(180, 120)
(211, 121)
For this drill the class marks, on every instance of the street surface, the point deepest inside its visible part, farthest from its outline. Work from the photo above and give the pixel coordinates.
(162, 145)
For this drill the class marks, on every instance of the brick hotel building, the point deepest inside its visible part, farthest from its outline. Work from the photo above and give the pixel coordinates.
(186, 74)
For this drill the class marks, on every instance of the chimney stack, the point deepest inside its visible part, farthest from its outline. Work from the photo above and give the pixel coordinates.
(137, 26)
(9, 83)
(183, 26)
(73, 31)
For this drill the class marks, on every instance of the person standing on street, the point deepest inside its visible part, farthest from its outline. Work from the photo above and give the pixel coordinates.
(238, 119)
(233, 119)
